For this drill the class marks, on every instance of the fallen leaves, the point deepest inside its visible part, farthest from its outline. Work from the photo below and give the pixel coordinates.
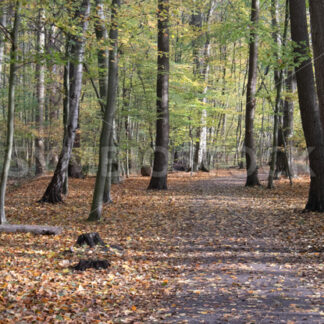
(157, 244)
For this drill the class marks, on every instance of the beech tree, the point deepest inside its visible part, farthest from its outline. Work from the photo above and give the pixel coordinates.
(53, 193)
(251, 166)
(317, 24)
(160, 164)
(309, 109)
(107, 126)
(40, 77)
(11, 108)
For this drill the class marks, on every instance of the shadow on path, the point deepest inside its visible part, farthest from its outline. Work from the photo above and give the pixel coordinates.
(244, 278)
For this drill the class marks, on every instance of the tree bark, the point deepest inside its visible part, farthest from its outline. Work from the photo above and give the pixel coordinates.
(103, 53)
(11, 110)
(309, 109)
(317, 24)
(53, 193)
(40, 79)
(160, 164)
(278, 78)
(3, 21)
(251, 166)
(103, 67)
(285, 154)
(107, 126)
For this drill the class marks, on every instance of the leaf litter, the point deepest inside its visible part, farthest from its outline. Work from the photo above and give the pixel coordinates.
(207, 249)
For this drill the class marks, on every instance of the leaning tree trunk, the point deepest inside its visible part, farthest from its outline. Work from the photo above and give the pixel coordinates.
(11, 111)
(40, 79)
(160, 164)
(103, 67)
(53, 193)
(308, 105)
(107, 125)
(251, 166)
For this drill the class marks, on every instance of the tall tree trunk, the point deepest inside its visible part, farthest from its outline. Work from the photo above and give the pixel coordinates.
(196, 22)
(251, 166)
(107, 125)
(103, 67)
(317, 24)
(160, 165)
(11, 110)
(53, 193)
(310, 113)
(40, 79)
(66, 105)
(278, 78)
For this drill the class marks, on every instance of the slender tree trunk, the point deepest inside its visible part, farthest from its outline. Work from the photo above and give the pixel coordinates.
(285, 155)
(278, 78)
(160, 165)
(40, 79)
(53, 193)
(251, 166)
(288, 119)
(310, 113)
(196, 22)
(66, 105)
(11, 111)
(107, 126)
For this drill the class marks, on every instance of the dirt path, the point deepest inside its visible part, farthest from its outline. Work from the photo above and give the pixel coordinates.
(234, 265)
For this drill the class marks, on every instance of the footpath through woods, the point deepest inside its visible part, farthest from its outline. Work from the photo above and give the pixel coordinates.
(208, 250)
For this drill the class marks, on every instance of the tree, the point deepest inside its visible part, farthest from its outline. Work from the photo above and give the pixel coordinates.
(309, 109)
(107, 125)
(11, 109)
(53, 193)
(160, 164)
(251, 167)
(40, 79)
(317, 24)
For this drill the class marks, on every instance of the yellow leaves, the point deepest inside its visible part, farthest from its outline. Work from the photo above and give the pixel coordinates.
(51, 254)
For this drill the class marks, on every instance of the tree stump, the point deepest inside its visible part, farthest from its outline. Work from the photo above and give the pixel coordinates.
(91, 239)
(146, 171)
(95, 264)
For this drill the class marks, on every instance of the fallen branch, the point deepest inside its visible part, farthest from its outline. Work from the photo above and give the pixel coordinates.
(35, 229)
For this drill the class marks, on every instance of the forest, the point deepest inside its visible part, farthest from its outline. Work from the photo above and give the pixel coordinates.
(162, 161)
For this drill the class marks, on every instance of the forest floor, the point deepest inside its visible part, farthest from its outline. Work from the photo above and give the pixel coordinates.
(208, 250)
